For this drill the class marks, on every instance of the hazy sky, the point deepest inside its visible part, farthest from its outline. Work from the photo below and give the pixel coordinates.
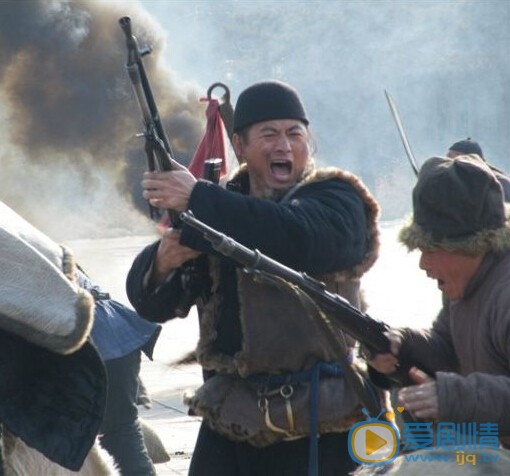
(444, 62)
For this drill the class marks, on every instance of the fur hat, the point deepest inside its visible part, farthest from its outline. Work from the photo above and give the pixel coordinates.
(467, 146)
(268, 100)
(458, 205)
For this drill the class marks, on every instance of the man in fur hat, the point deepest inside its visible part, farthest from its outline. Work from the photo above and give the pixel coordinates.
(470, 146)
(461, 227)
(260, 339)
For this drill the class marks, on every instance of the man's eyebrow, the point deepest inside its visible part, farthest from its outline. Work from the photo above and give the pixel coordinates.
(268, 129)
(293, 128)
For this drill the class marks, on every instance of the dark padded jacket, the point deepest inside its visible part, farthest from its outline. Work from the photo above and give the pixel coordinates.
(327, 225)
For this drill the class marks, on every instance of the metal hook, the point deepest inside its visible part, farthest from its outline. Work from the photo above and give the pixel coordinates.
(226, 97)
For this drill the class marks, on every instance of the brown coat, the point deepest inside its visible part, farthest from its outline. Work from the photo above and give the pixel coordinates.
(469, 346)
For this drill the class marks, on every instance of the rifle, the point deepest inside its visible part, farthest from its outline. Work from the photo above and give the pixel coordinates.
(350, 319)
(157, 147)
(160, 155)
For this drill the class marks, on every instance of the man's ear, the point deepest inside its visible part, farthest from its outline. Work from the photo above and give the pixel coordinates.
(237, 145)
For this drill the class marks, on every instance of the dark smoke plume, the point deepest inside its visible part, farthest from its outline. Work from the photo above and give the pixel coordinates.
(69, 115)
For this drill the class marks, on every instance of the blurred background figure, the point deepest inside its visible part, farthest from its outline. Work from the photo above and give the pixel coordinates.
(121, 336)
(469, 146)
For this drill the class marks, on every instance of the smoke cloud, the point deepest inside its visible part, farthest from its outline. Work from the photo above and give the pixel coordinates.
(70, 161)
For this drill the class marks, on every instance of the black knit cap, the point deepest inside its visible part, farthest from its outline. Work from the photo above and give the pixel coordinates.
(467, 146)
(268, 100)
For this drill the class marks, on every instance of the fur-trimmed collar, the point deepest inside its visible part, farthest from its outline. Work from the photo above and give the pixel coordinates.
(240, 181)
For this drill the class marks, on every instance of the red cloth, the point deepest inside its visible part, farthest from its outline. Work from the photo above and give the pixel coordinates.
(212, 145)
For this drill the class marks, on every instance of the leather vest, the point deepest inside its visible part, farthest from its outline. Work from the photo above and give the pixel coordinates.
(303, 334)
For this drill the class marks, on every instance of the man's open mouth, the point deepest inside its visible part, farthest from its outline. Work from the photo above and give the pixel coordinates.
(281, 168)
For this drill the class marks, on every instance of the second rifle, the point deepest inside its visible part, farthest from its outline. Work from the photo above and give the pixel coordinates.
(368, 331)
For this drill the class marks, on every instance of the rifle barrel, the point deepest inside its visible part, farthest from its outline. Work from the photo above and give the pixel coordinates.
(361, 328)
(143, 91)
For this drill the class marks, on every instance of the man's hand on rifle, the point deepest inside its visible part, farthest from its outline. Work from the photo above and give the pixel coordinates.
(419, 400)
(387, 363)
(170, 256)
(168, 190)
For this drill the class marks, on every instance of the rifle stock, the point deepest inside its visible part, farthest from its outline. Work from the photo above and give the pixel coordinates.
(349, 318)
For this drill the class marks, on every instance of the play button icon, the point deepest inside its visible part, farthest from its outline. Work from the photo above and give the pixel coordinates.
(373, 442)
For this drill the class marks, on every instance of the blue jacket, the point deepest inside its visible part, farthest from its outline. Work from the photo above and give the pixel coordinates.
(117, 329)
